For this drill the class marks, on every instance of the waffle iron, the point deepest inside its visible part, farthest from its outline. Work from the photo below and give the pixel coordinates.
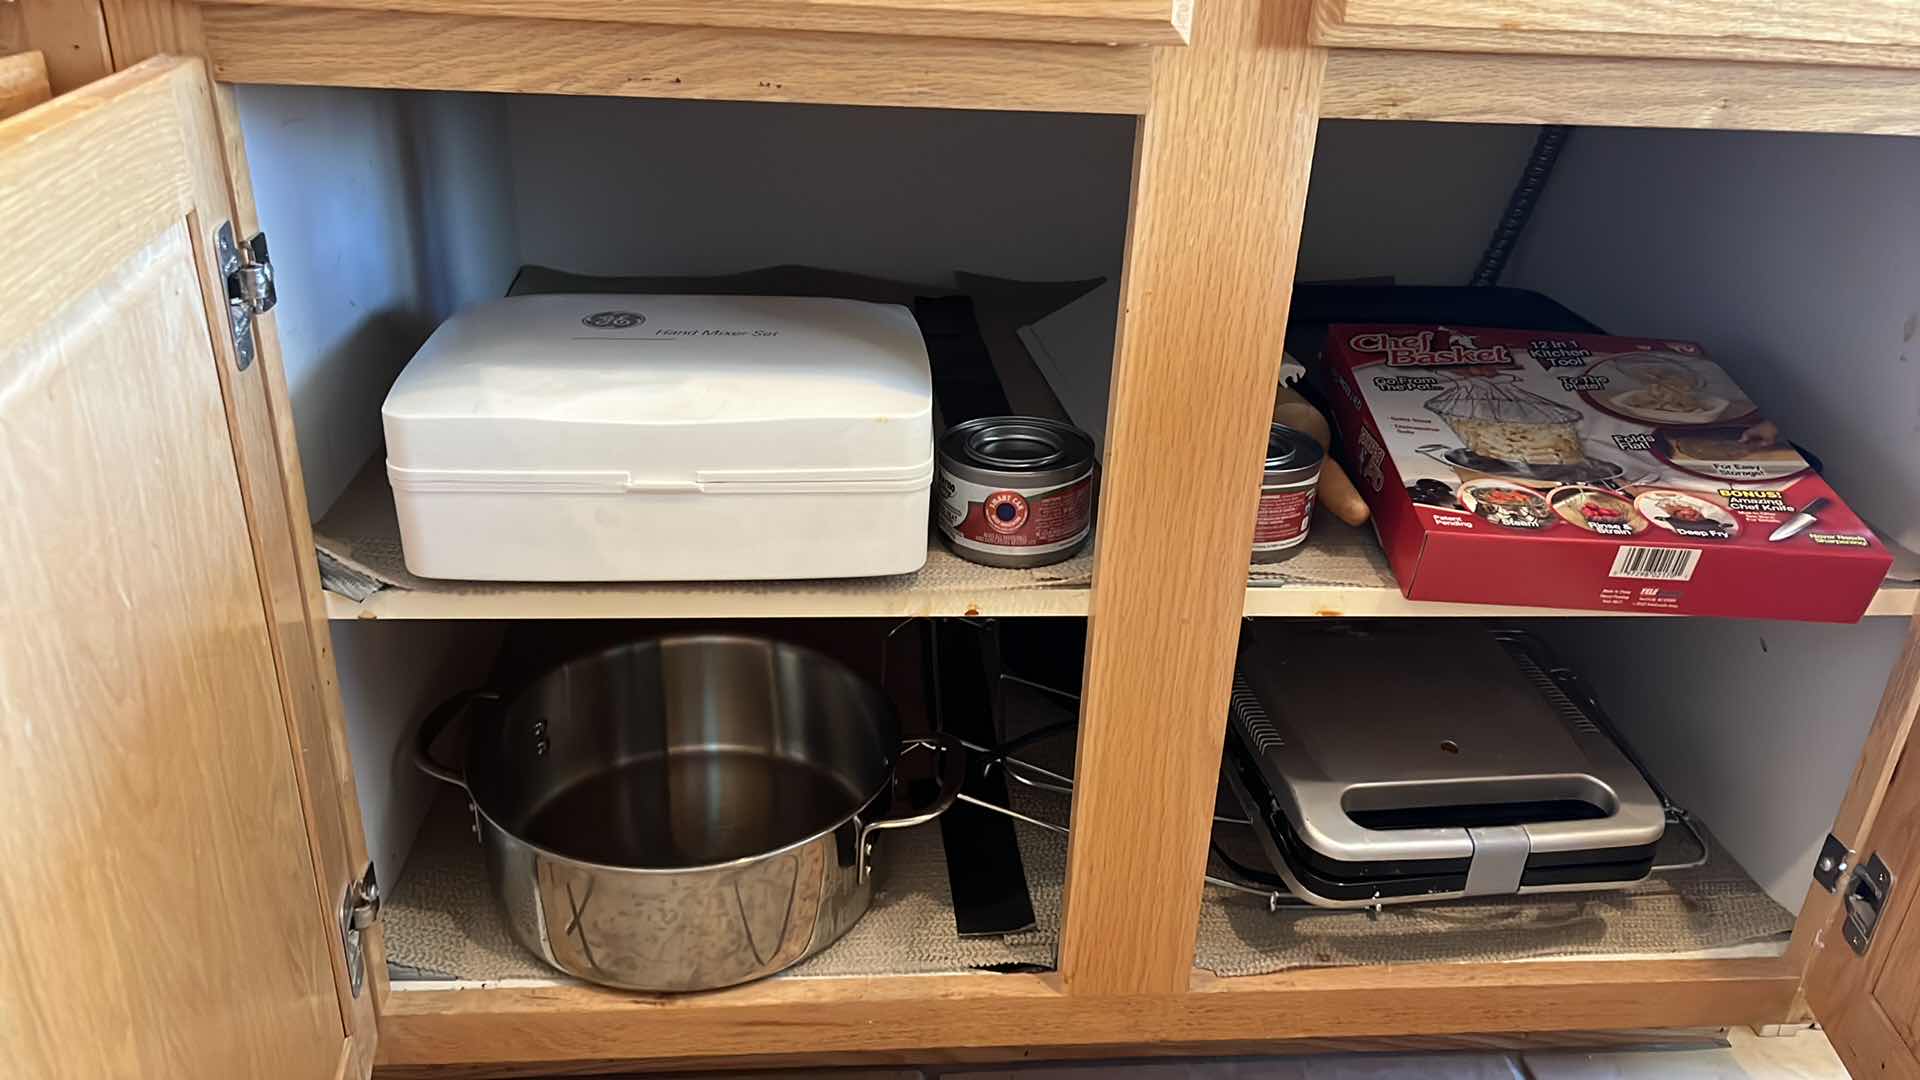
(1393, 763)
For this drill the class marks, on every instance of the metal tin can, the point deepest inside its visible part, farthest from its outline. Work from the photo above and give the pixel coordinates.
(1015, 491)
(1286, 494)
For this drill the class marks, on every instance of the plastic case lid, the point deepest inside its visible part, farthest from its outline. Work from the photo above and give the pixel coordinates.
(580, 392)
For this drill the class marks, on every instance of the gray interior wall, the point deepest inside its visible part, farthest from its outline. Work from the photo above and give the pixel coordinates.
(1411, 200)
(614, 186)
(385, 211)
(1753, 726)
(610, 186)
(1794, 258)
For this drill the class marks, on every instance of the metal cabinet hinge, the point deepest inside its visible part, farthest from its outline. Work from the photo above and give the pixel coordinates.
(1866, 902)
(1833, 863)
(359, 909)
(248, 273)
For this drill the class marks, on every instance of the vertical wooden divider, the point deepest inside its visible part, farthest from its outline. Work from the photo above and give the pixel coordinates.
(1220, 183)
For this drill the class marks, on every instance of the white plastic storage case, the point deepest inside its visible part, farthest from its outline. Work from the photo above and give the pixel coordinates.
(664, 438)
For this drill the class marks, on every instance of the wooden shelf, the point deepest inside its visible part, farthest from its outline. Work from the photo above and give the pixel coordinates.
(946, 586)
(1342, 573)
(531, 1030)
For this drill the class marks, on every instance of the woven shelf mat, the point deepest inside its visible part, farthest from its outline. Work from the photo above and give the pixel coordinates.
(442, 921)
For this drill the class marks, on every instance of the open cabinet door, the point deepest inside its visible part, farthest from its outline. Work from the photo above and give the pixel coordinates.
(1863, 982)
(166, 908)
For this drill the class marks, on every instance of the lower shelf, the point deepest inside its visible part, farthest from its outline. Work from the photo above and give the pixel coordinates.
(443, 928)
(543, 1031)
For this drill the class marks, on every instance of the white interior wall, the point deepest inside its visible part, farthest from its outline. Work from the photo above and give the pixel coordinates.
(1753, 726)
(1794, 258)
(384, 211)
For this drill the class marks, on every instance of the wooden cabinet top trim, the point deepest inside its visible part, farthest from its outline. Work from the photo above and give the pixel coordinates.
(326, 47)
(1102, 22)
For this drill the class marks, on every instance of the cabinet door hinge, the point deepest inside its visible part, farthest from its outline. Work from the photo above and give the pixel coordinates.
(1833, 863)
(359, 909)
(248, 274)
(1866, 902)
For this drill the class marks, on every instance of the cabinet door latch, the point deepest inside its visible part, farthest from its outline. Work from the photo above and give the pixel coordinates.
(248, 273)
(1866, 901)
(359, 909)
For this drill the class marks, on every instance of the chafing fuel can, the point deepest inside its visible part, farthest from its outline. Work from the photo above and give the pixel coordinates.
(1286, 494)
(1015, 491)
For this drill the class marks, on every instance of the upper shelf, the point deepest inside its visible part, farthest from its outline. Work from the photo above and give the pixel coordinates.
(1341, 573)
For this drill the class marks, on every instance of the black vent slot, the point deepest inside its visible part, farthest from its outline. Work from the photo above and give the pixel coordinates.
(1252, 717)
(1569, 709)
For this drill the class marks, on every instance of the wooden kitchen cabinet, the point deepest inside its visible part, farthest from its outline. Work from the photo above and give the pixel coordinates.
(235, 676)
(1873, 33)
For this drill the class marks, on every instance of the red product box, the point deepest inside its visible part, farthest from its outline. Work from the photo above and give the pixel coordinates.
(1584, 471)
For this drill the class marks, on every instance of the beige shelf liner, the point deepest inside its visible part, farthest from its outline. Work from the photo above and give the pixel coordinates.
(359, 540)
(442, 921)
(359, 544)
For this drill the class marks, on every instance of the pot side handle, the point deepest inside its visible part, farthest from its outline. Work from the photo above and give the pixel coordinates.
(953, 773)
(434, 724)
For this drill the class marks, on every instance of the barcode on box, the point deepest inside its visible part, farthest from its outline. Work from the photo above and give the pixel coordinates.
(1655, 563)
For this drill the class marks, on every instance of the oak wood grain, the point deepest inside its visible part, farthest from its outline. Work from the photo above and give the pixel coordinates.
(70, 34)
(1102, 22)
(495, 1032)
(1378, 84)
(1869, 22)
(368, 48)
(155, 882)
(1220, 182)
(23, 82)
(261, 424)
(914, 1061)
(1330, 28)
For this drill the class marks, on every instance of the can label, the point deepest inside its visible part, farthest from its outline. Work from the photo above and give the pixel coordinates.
(995, 519)
(1283, 517)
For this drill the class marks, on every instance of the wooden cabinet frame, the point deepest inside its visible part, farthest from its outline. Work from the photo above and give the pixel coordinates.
(1224, 150)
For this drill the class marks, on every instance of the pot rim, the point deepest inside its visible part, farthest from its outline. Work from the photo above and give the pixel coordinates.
(860, 807)
(729, 864)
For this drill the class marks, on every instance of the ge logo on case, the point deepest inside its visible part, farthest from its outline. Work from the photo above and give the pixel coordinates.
(613, 320)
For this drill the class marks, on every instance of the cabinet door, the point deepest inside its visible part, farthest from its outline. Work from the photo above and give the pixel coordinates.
(1863, 982)
(158, 886)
